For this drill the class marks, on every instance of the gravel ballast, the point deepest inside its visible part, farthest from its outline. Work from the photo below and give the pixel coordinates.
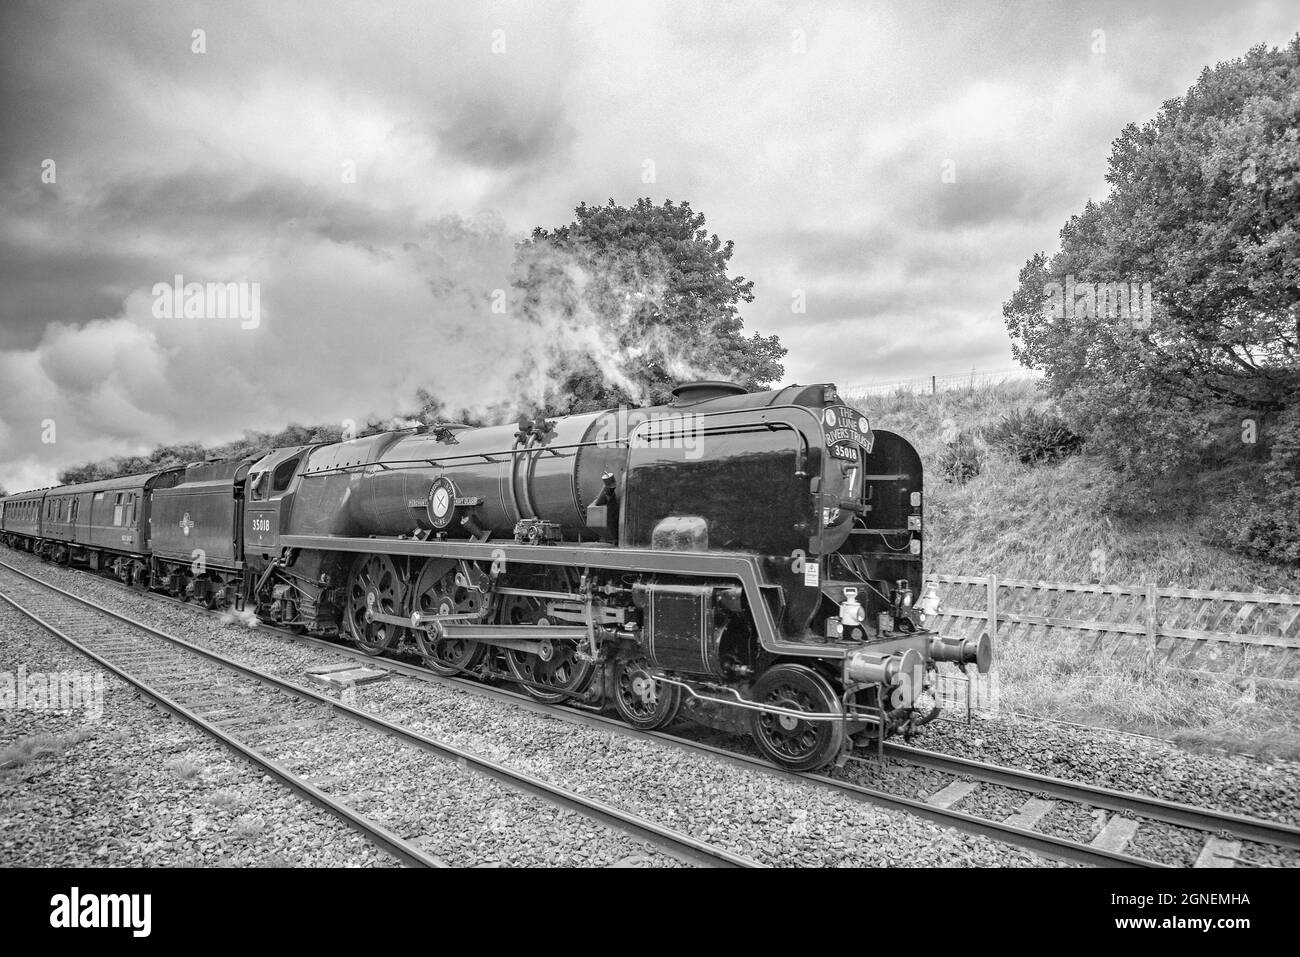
(136, 787)
(1233, 783)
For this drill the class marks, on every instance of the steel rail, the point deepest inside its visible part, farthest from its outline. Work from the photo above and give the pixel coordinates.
(682, 846)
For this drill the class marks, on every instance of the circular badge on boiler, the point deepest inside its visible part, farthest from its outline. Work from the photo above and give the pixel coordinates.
(442, 502)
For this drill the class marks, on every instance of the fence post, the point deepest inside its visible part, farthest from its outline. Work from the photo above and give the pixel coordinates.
(1152, 637)
(933, 389)
(993, 608)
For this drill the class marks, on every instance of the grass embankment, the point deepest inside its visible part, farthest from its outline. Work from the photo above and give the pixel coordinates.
(1050, 523)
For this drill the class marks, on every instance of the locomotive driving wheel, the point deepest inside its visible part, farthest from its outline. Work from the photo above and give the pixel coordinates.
(787, 740)
(436, 593)
(642, 701)
(374, 585)
(555, 671)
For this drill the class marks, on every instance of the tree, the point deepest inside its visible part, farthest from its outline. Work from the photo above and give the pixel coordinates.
(640, 299)
(1204, 205)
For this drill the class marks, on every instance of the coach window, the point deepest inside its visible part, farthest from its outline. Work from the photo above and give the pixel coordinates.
(72, 514)
(130, 509)
(117, 509)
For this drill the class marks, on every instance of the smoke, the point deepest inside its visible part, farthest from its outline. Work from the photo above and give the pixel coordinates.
(351, 331)
(579, 314)
(245, 618)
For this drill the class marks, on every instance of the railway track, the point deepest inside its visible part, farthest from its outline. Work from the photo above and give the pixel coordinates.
(1128, 808)
(245, 708)
(1042, 792)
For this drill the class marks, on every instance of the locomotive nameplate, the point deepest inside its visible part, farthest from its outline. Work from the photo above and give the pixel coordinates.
(847, 431)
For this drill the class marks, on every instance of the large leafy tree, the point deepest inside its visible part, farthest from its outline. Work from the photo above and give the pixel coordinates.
(1204, 204)
(641, 297)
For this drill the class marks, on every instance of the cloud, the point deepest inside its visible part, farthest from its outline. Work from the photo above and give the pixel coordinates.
(372, 167)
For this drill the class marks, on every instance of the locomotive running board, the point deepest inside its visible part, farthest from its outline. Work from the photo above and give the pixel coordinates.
(736, 566)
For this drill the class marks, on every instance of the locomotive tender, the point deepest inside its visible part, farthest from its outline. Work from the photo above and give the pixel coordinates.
(730, 554)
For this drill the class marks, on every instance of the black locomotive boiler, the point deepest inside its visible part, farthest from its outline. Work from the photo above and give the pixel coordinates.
(730, 554)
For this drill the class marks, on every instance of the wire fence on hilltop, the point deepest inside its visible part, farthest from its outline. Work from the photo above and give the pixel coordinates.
(936, 383)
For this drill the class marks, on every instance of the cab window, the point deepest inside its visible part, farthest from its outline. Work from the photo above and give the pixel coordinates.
(284, 475)
(261, 486)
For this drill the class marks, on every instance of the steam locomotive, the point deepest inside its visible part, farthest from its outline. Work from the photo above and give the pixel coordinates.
(743, 559)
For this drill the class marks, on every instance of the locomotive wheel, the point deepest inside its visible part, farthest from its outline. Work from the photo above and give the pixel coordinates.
(642, 701)
(555, 674)
(786, 740)
(437, 594)
(374, 583)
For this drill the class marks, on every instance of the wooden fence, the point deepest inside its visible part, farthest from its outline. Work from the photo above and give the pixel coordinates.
(1246, 635)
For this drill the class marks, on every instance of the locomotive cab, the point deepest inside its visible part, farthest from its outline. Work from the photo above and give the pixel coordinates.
(268, 497)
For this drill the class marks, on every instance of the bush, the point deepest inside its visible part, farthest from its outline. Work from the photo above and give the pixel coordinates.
(962, 458)
(1263, 518)
(1034, 437)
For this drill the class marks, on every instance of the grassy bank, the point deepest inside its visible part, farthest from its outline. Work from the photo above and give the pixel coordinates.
(1050, 523)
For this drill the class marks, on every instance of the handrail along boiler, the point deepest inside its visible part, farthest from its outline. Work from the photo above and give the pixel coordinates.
(740, 558)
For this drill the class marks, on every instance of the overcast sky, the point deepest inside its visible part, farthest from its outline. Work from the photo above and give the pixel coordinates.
(816, 136)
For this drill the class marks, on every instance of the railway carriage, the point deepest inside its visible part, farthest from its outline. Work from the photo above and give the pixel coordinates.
(103, 525)
(20, 519)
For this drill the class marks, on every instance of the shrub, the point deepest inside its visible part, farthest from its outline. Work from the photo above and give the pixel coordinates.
(1263, 518)
(962, 458)
(1034, 437)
